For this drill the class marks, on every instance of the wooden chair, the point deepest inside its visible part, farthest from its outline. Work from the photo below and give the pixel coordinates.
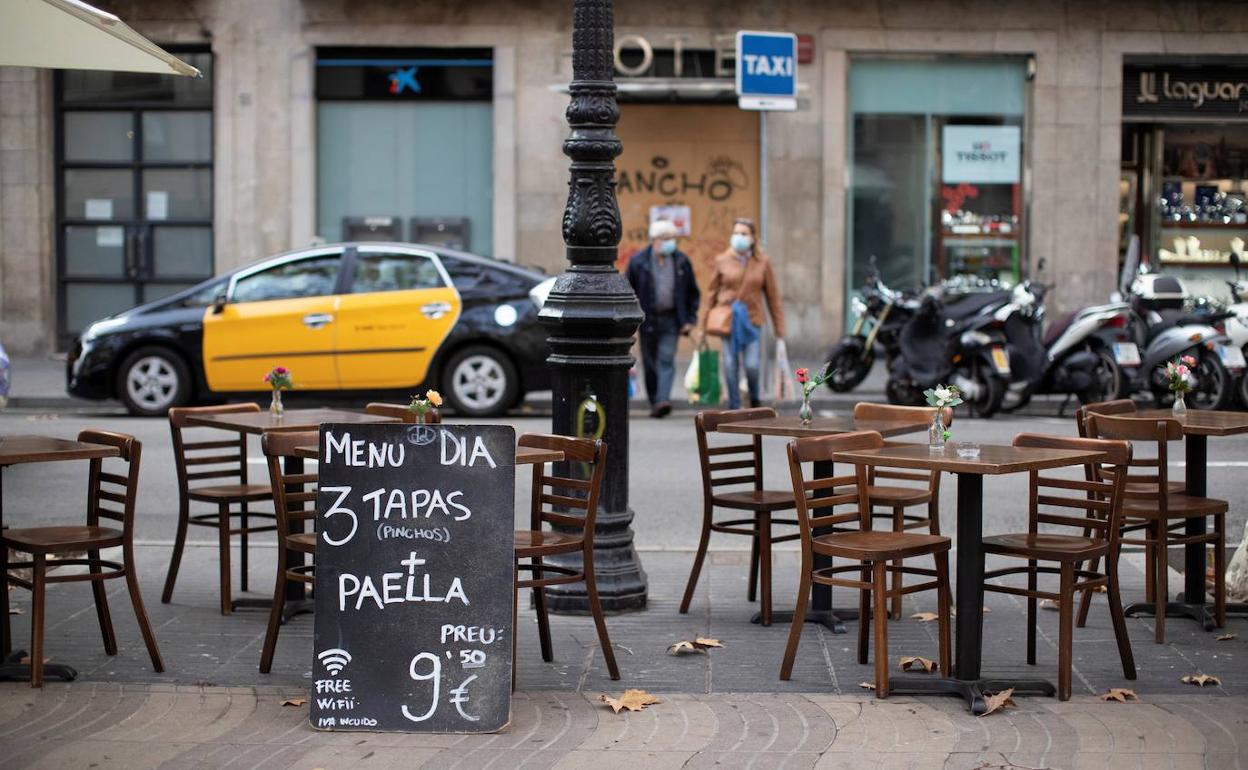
(565, 496)
(897, 498)
(1122, 407)
(1052, 501)
(876, 553)
(288, 490)
(737, 465)
(105, 490)
(1162, 515)
(224, 461)
(401, 412)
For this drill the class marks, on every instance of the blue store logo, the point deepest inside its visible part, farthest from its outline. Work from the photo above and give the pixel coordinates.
(404, 80)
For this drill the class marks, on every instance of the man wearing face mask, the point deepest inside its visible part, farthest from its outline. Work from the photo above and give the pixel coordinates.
(663, 280)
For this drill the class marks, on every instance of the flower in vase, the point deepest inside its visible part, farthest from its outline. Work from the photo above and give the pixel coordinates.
(279, 378)
(422, 406)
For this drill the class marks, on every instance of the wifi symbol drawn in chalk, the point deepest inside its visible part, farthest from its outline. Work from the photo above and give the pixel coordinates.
(335, 660)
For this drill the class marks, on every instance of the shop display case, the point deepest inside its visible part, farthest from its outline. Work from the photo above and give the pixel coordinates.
(980, 233)
(1199, 223)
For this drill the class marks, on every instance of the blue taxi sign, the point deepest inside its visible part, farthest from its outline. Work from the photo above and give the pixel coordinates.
(766, 70)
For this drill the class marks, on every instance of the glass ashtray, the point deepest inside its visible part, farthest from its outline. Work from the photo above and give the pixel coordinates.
(967, 450)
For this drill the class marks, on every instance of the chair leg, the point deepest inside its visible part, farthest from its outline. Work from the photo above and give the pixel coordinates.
(1118, 618)
(1219, 571)
(140, 613)
(275, 613)
(694, 573)
(37, 585)
(894, 608)
(1085, 596)
(223, 555)
(1150, 564)
(101, 605)
(879, 619)
(795, 628)
(942, 609)
(179, 542)
(595, 607)
(764, 566)
(1031, 613)
(1161, 588)
(7, 648)
(543, 618)
(242, 549)
(751, 591)
(1065, 635)
(864, 616)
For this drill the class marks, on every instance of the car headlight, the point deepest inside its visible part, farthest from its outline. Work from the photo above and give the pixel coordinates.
(101, 327)
(540, 292)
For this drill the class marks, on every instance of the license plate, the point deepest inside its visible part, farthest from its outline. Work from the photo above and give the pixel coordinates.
(1232, 357)
(1126, 354)
(1000, 360)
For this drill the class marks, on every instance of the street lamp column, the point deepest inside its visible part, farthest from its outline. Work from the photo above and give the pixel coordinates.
(592, 314)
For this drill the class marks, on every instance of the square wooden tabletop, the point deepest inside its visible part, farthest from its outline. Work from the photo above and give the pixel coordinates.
(292, 420)
(15, 450)
(992, 460)
(791, 426)
(1201, 422)
(525, 455)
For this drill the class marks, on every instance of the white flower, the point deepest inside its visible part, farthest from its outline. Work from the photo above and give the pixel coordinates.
(944, 394)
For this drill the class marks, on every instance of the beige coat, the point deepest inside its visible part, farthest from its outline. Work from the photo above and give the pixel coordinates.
(747, 282)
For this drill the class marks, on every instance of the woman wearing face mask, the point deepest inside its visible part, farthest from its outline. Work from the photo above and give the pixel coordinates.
(743, 278)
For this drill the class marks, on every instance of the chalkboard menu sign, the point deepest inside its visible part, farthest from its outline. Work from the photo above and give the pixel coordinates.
(414, 578)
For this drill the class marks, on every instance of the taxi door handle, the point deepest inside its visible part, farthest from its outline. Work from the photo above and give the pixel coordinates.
(317, 320)
(435, 310)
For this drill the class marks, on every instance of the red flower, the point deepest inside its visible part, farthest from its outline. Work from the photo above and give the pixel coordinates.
(803, 375)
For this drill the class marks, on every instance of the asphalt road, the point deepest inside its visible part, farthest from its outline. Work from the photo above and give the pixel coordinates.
(665, 491)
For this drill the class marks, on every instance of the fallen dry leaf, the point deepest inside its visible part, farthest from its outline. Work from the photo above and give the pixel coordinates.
(633, 700)
(925, 617)
(867, 685)
(1224, 637)
(1049, 604)
(909, 660)
(701, 644)
(1120, 694)
(1100, 589)
(16, 611)
(294, 701)
(1200, 680)
(999, 701)
(702, 641)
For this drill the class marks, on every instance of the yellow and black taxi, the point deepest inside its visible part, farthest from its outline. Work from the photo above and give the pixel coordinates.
(346, 316)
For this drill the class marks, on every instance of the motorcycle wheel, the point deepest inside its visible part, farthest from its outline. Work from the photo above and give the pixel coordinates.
(848, 367)
(1108, 380)
(1215, 387)
(991, 390)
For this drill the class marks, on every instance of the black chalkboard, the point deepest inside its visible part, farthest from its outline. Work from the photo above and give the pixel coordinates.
(414, 569)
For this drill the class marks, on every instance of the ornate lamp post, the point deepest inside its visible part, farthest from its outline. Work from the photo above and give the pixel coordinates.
(593, 314)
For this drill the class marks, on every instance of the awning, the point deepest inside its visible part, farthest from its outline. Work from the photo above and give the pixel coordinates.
(68, 34)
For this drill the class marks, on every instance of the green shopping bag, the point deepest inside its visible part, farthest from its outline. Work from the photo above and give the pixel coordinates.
(708, 377)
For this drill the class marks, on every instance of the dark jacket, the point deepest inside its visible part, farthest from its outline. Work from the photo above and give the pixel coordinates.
(640, 274)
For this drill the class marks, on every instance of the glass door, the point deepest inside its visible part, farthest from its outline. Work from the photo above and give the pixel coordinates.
(134, 190)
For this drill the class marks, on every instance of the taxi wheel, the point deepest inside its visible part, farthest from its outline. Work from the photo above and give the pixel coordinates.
(480, 381)
(151, 380)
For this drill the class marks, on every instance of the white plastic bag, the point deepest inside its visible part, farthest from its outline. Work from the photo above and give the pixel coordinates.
(785, 388)
(691, 379)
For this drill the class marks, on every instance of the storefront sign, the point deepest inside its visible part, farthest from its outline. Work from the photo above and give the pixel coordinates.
(405, 74)
(637, 57)
(414, 568)
(766, 71)
(1183, 92)
(980, 154)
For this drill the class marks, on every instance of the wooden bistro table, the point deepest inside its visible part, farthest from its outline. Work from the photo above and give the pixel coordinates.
(1198, 426)
(292, 420)
(790, 426)
(968, 648)
(18, 450)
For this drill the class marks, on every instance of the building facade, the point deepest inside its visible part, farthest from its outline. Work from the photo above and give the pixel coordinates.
(940, 138)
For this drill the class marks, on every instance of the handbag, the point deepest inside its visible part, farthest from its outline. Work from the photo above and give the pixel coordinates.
(708, 376)
(719, 320)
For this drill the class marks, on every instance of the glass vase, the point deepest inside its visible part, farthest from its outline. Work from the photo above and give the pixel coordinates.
(420, 418)
(936, 433)
(1180, 404)
(275, 406)
(805, 412)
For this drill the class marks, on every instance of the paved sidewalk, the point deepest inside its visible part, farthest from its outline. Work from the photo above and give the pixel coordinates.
(105, 726)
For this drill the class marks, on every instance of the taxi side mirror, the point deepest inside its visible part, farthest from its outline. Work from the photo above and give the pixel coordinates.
(218, 302)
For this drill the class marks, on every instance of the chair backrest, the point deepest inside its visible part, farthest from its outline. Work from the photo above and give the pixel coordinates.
(556, 497)
(1158, 431)
(400, 412)
(219, 458)
(888, 412)
(1098, 496)
(289, 488)
(740, 462)
(817, 498)
(1119, 406)
(112, 495)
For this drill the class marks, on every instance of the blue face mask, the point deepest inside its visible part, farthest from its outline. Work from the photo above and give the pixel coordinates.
(741, 243)
(668, 246)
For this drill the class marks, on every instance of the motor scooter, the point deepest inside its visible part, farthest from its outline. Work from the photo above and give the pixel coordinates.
(1237, 321)
(880, 314)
